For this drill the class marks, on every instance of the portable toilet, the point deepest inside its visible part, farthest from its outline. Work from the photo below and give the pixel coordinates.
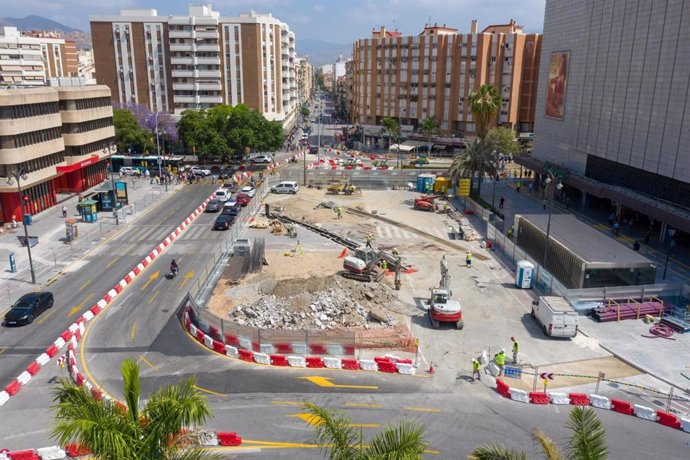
(524, 274)
(425, 182)
(88, 210)
(442, 184)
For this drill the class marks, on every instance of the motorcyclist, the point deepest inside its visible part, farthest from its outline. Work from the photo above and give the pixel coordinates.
(174, 268)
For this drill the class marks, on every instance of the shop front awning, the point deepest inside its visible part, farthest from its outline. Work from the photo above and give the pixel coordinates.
(80, 164)
(402, 147)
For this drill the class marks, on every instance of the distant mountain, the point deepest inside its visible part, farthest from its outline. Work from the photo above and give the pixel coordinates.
(34, 22)
(321, 52)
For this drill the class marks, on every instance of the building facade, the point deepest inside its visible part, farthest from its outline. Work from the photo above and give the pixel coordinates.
(305, 79)
(175, 63)
(30, 58)
(55, 137)
(412, 78)
(613, 108)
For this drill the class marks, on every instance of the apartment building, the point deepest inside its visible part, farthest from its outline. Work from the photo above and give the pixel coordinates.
(412, 78)
(305, 79)
(175, 63)
(54, 137)
(31, 58)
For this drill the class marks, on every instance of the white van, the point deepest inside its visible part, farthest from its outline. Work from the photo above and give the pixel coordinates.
(557, 317)
(285, 187)
(222, 195)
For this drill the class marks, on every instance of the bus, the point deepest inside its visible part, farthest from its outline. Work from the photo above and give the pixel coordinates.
(170, 164)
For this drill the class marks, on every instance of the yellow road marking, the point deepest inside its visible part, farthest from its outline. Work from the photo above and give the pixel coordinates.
(147, 362)
(206, 390)
(421, 409)
(2, 350)
(76, 309)
(113, 262)
(325, 382)
(152, 298)
(288, 403)
(133, 331)
(371, 406)
(187, 277)
(4, 312)
(312, 419)
(153, 276)
(46, 316)
(85, 284)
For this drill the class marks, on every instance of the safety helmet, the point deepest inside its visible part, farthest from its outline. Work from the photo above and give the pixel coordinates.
(503, 350)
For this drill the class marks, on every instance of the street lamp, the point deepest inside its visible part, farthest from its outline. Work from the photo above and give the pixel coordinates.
(550, 178)
(19, 175)
(671, 245)
(158, 152)
(108, 150)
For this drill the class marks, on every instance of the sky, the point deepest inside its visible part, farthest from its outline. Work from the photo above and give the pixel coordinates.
(335, 21)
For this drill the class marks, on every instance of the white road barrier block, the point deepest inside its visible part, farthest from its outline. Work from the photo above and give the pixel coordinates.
(208, 341)
(231, 351)
(73, 327)
(297, 361)
(140, 266)
(645, 412)
(334, 349)
(59, 343)
(3, 456)
(112, 293)
(209, 438)
(51, 453)
(262, 358)
(519, 395)
(404, 368)
(267, 348)
(483, 358)
(245, 343)
(684, 421)
(602, 402)
(4, 397)
(43, 359)
(192, 329)
(123, 283)
(492, 369)
(24, 378)
(332, 363)
(368, 365)
(559, 398)
(88, 315)
(299, 348)
(102, 303)
(82, 328)
(88, 385)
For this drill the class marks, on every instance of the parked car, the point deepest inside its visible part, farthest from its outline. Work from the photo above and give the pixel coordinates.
(130, 171)
(242, 199)
(199, 171)
(248, 190)
(223, 222)
(261, 158)
(214, 206)
(285, 187)
(231, 208)
(28, 307)
(226, 173)
(222, 194)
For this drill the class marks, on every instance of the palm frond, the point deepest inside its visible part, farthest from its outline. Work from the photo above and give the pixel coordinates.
(402, 442)
(496, 452)
(132, 387)
(334, 433)
(588, 441)
(551, 450)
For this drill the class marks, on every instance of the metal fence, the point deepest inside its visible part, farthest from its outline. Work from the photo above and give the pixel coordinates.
(361, 179)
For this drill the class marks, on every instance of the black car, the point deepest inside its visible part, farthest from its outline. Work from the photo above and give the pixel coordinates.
(214, 206)
(231, 208)
(223, 222)
(226, 173)
(28, 307)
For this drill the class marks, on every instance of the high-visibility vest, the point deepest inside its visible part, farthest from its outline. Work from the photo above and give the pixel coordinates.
(516, 346)
(500, 358)
(475, 366)
(468, 257)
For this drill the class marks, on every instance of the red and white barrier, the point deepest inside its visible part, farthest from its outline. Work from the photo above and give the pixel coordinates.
(646, 413)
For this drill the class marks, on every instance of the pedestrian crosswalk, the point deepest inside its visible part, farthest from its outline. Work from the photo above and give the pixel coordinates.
(388, 232)
(153, 234)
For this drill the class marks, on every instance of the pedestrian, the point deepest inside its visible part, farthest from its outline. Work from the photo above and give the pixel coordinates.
(616, 228)
(340, 212)
(647, 235)
(500, 360)
(147, 174)
(468, 259)
(14, 221)
(475, 369)
(64, 211)
(517, 186)
(516, 349)
(500, 203)
(543, 203)
(298, 249)
(370, 238)
(530, 186)
(636, 246)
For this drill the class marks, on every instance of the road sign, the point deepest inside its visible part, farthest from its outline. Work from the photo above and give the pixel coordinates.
(464, 187)
(546, 375)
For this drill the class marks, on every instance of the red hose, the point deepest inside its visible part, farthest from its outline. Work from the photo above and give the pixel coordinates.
(660, 330)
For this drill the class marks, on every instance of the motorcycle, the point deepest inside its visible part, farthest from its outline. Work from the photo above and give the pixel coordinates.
(172, 273)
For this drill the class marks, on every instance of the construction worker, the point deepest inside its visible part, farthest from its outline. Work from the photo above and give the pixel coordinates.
(370, 238)
(500, 360)
(340, 212)
(468, 259)
(384, 265)
(516, 348)
(475, 369)
(298, 249)
(395, 253)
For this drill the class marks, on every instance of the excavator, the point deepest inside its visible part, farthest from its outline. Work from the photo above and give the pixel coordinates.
(443, 309)
(426, 203)
(364, 264)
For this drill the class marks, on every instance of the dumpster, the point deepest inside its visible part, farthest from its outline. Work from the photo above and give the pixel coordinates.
(425, 183)
(88, 210)
(442, 184)
(28, 219)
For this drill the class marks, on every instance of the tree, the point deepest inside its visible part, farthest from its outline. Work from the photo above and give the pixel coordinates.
(472, 159)
(484, 105)
(335, 435)
(391, 127)
(167, 129)
(587, 441)
(128, 133)
(430, 127)
(162, 429)
(503, 141)
(304, 111)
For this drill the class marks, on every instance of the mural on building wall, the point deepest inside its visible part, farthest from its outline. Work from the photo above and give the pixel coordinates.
(555, 92)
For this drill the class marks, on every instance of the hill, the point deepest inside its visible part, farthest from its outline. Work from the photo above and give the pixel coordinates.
(34, 22)
(320, 52)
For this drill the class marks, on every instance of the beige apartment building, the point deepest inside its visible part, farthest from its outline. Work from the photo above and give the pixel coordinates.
(305, 79)
(175, 63)
(57, 138)
(412, 78)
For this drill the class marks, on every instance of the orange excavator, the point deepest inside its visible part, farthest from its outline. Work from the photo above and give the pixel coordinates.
(426, 203)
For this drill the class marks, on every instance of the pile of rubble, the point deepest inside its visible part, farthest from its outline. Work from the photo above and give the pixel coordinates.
(331, 303)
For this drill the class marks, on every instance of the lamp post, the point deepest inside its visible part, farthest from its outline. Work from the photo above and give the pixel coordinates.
(671, 245)
(108, 149)
(19, 175)
(158, 153)
(550, 178)
(318, 135)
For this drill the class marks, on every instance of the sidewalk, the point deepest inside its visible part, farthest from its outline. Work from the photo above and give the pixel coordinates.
(53, 252)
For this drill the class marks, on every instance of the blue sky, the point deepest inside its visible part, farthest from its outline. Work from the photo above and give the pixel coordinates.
(337, 21)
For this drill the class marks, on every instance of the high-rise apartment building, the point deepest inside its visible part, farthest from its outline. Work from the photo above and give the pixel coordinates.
(613, 109)
(175, 63)
(412, 78)
(56, 137)
(30, 58)
(305, 79)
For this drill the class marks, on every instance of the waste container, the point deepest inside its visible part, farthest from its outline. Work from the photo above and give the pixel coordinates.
(88, 211)
(425, 183)
(524, 274)
(28, 219)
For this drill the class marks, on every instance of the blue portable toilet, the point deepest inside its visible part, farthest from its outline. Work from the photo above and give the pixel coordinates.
(425, 182)
(524, 274)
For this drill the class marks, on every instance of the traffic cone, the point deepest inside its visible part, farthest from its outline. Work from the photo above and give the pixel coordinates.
(431, 369)
(343, 253)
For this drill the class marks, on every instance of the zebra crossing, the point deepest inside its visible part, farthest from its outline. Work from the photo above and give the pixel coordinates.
(152, 234)
(388, 232)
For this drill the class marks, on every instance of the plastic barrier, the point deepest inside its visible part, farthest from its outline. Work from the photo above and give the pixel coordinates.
(314, 361)
(299, 348)
(387, 366)
(43, 359)
(502, 388)
(51, 453)
(668, 419)
(74, 449)
(245, 343)
(52, 350)
(4, 397)
(279, 360)
(645, 412)
(200, 335)
(66, 335)
(24, 378)
(231, 351)
(317, 349)
(208, 341)
(13, 387)
(368, 365)
(33, 368)
(519, 395)
(297, 361)
(283, 348)
(579, 399)
(556, 397)
(621, 406)
(246, 355)
(405, 368)
(350, 364)
(228, 439)
(208, 438)
(192, 330)
(332, 349)
(685, 424)
(538, 397)
(28, 454)
(602, 402)
(332, 363)
(267, 348)
(218, 347)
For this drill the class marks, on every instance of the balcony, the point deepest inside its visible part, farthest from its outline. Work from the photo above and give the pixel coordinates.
(209, 86)
(210, 99)
(208, 60)
(208, 47)
(207, 74)
(182, 60)
(184, 99)
(183, 86)
(182, 73)
(181, 34)
(181, 47)
(206, 34)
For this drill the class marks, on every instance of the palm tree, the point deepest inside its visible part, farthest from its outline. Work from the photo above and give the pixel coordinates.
(472, 159)
(391, 126)
(162, 429)
(587, 441)
(430, 127)
(484, 105)
(336, 436)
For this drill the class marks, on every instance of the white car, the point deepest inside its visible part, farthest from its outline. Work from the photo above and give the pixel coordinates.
(263, 158)
(222, 195)
(199, 171)
(129, 171)
(249, 191)
(286, 187)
